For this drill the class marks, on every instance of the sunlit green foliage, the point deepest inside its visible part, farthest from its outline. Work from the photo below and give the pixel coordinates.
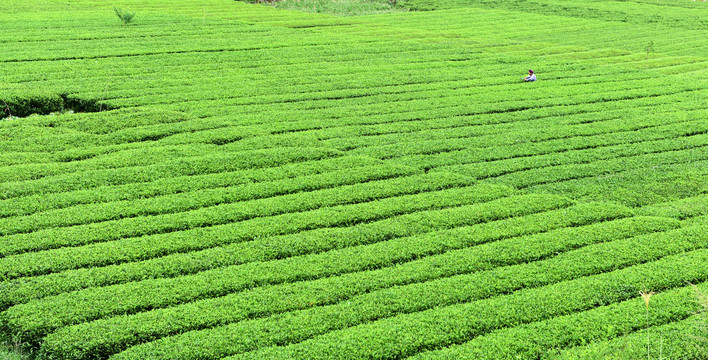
(244, 181)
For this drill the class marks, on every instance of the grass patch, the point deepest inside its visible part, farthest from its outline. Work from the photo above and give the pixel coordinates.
(339, 7)
(12, 351)
(11, 355)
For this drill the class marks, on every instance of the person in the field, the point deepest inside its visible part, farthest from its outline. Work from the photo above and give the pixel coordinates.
(531, 77)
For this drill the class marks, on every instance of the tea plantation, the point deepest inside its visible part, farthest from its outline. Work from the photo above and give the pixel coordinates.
(224, 180)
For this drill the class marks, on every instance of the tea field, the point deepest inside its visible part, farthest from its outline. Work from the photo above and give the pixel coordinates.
(224, 180)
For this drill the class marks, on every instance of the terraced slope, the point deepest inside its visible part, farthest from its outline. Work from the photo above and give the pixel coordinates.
(237, 181)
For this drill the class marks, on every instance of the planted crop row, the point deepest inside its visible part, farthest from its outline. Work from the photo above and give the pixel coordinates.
(336, 185)
(543, 339)
(528, 221)
(60, 141)
(407, 334)
(52, 134)
(344, 107)
(308, 242)
(149, 236)
(410, 134)
(128, 330)
(418, 69)
(218, 214)
(677, 17)
(610, 126)
(605, 10)
(346, 131)
(367, 95)
(127, 158)
(407, 127)
(531, 27)
(92, 33)
(420, 76)
(701, 219)
(70, 50)
(539, 177)
(16, 157)
(453, 123)
(635, 186)
(602, 149)
(679, 209)
(109, 122)
(204, 165)
(155, 293)
(403, 334)
(298, 58)
(258, 60)
(526, 27)
(342, 112)
(677, 340)
(310, 61)
(299, 62)
(180, 13)
(396, 79)
(599, 149)
(416, 73)
(550, 149)
(31, 204)
(508, 108)
(575, 171)
(404, 148)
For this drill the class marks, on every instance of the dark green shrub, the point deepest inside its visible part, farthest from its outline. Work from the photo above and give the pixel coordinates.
(21, 105)
(125, 16)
